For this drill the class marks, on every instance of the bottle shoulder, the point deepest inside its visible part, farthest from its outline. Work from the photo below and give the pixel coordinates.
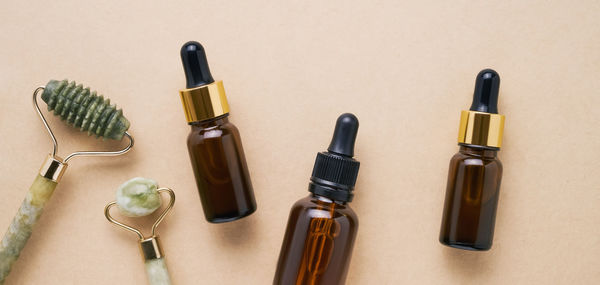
(468, 161)
(465, 157)
(221, 129)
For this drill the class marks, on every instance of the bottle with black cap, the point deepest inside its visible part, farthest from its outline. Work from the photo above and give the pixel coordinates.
(214, 143)
(475, 171)
(322, 227)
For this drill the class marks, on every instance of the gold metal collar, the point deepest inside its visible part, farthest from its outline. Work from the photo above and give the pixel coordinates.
(204, 102)
(480, 128)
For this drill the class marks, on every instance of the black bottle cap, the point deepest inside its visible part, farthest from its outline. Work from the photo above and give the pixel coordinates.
(485, 97)
(195, 65)
(335, 171)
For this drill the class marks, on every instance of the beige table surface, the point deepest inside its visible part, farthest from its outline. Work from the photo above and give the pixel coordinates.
(406, 69)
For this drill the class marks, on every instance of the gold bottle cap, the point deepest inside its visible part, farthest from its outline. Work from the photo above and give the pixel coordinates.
(480, 128)
(204, 102)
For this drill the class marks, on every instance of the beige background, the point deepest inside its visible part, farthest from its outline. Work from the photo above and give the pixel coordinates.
(405, 69)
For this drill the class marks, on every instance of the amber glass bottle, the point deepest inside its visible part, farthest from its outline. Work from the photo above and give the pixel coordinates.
(214, 143)
(475, 171)
(322, 227)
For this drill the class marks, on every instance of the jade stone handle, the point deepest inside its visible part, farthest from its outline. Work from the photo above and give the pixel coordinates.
(156, 270)
(21, 227)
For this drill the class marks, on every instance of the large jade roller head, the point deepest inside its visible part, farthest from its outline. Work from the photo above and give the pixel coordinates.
(85, 109)
(81, 108)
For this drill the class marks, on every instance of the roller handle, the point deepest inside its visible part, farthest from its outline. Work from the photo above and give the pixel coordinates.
(157, 272)
(22, 225)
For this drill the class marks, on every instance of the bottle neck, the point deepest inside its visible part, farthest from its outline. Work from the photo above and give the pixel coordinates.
(216, 121)
(330, 192)
(325, 200)
(478, 151)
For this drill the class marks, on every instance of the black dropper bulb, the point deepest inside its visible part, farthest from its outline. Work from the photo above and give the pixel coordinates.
(195, 65)
(485, 97)
(344, 135)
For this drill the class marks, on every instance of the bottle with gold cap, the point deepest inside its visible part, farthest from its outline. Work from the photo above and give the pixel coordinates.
(475, 171)
(214, 143)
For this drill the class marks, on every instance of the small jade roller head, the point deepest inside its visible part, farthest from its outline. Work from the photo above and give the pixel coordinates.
(138, 197)
(85, 109)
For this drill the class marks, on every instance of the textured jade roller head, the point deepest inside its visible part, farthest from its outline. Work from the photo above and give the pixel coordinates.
(85, 109)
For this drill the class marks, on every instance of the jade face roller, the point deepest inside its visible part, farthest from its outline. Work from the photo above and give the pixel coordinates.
(80, 108)
(140, 197)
